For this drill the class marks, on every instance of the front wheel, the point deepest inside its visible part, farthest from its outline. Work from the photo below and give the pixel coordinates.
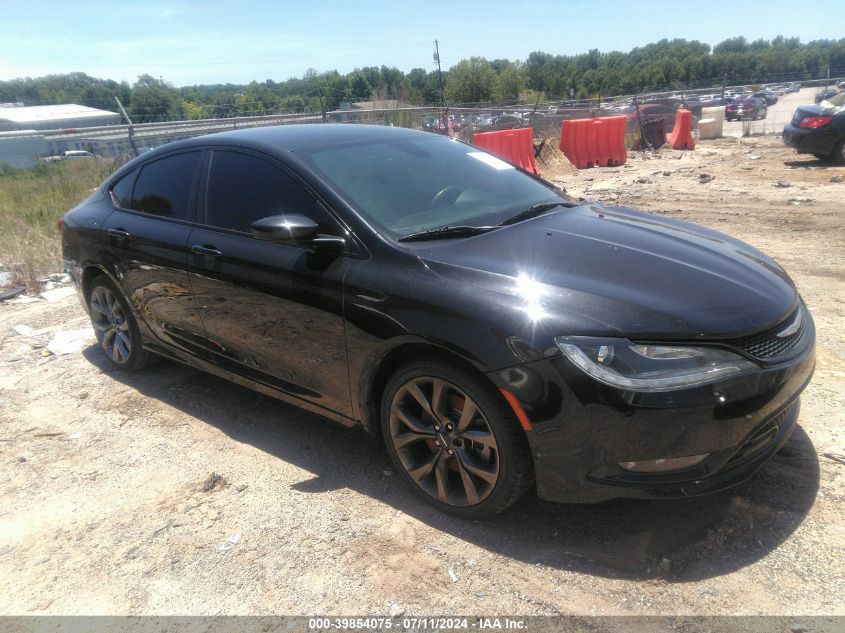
(115, 326)
(455, 439)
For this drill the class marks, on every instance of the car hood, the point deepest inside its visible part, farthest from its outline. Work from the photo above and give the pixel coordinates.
(597, 269)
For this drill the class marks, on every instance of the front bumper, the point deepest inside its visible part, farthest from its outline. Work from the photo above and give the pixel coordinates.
(582, 430)
(809, 140)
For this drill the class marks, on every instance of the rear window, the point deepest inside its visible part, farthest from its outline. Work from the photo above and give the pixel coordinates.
(164, 186)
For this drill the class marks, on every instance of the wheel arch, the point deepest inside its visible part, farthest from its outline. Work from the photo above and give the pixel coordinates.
(386, 364)
(90, 273)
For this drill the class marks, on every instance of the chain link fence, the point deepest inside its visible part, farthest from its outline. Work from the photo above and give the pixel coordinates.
(461, 121)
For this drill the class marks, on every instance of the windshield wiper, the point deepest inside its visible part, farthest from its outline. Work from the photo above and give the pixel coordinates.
(537, 209)
(446, 232)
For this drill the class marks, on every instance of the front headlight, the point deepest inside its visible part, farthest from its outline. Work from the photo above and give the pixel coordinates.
(621, 363)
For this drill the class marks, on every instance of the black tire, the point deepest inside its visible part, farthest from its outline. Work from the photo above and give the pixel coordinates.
(115, 325)
(510, 457)
(824, 157)
(839, 152)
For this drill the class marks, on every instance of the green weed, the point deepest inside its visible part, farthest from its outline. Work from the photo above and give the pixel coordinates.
(31, 202)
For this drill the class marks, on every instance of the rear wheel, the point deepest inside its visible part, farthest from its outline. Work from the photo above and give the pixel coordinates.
(455, 439)
(115, 326)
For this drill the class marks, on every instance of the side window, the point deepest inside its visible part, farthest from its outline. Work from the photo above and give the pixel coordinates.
(121, 191)
(243, 188)
(164, 186)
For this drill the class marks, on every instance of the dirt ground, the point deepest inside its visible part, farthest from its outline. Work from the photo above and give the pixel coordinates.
(173, 492)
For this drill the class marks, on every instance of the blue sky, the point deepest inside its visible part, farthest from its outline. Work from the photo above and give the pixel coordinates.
(190, 42)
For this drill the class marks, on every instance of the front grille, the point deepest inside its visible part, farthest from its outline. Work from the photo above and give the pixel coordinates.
(768, 345)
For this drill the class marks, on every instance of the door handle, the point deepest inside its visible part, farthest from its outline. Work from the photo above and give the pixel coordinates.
(206, 250)
(118, 233)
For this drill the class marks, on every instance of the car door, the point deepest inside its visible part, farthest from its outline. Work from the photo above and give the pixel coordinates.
(272, 312)
(148, 233)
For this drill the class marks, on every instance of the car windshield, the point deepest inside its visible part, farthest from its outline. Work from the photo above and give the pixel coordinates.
(408, 185)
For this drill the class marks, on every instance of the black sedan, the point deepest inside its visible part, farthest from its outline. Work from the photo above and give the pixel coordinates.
(502, 122)
(826, 94)
(819, 130)
(494, 333)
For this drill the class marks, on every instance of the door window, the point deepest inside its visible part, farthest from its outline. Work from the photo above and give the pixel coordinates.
(164, 186)
(243, 188)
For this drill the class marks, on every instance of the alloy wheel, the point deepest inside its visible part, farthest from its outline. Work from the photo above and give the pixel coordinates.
(111, 324)
(444, 441)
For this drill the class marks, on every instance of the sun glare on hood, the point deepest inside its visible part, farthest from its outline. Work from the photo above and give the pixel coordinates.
(531, 292)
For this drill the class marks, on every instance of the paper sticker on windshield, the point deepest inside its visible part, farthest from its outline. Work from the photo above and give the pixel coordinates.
(488, 159)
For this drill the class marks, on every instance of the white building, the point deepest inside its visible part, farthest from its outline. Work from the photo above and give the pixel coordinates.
(21, 149)
(55, 117)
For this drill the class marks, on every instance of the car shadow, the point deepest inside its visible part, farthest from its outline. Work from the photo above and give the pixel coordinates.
(806, 161)
(679, 541)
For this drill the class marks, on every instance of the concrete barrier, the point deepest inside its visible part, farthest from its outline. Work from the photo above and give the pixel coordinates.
(718, 114)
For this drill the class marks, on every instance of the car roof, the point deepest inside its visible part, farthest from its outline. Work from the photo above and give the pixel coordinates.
(278, 140)
(291, 138)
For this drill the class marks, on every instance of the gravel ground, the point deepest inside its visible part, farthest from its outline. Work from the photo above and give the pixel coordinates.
(174, 492)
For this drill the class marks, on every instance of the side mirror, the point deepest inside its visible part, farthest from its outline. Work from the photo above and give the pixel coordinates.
(287, 228)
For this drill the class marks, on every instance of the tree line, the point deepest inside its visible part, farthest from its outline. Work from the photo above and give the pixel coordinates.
(668, 64)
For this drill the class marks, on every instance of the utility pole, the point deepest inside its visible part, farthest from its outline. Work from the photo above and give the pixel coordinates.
(131, 129)
(643, 140)
(442, 93)
(440, 73)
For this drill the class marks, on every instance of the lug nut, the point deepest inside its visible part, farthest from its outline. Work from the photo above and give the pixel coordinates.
(451, 452)
(436, 427)
(449, 427)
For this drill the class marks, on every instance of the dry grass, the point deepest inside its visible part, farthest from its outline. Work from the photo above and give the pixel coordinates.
(31, 201)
